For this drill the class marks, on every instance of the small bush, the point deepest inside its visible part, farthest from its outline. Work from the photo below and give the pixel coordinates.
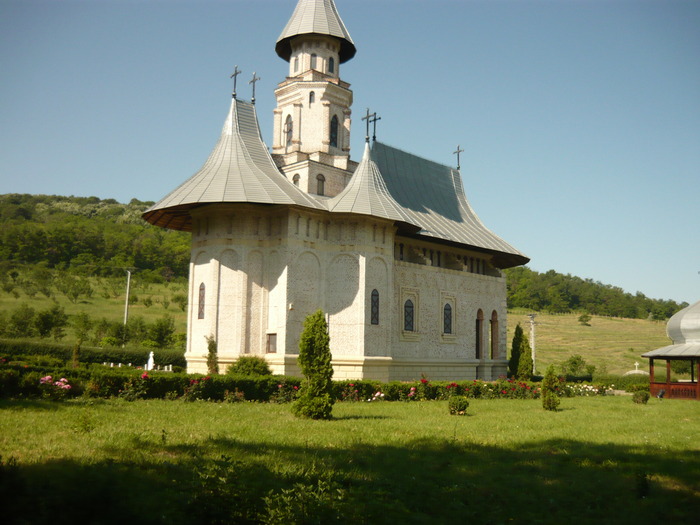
(550, 390)
(640, 397)
(458, 405)
(249, 365)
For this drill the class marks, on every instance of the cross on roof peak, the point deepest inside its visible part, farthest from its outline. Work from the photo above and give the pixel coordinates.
(459, 150)
(234, 76)
(253, 81)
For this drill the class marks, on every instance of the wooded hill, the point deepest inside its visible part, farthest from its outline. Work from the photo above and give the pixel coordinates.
(89, 236)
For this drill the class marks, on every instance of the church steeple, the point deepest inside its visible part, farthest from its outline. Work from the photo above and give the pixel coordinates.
(311, 142)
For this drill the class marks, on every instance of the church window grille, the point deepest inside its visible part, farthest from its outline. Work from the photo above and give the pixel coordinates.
(408, 316)
(200, 312)
(312, 97)
(334, 131)
(447, 319)
(331, 65)
(320, 184)
(288, 129)
(295, 179)
(374, 307)
(313, 61)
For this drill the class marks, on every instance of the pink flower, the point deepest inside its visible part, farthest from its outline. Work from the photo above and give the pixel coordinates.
(144, 376)
(44, 380)
(296, 387)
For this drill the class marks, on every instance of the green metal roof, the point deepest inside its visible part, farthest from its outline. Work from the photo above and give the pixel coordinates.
(432, 196)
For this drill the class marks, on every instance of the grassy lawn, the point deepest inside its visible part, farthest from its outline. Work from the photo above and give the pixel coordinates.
(598, 459)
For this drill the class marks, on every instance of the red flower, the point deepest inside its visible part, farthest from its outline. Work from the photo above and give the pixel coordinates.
(424, 381)
(144, 376)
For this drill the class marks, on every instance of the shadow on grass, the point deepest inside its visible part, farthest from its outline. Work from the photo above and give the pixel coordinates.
(222, 480)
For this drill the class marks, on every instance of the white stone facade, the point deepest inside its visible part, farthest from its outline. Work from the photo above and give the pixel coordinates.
(257, 272)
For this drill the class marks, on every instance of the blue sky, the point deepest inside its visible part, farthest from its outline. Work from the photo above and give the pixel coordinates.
(580, 119)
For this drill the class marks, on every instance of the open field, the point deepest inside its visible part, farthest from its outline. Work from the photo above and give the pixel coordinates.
(609, 341)
(597, 460)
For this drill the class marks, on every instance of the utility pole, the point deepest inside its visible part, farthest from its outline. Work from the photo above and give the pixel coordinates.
(532, 339)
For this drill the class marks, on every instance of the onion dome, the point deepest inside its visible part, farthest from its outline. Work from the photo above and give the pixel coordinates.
(315, 17)
(239, 169)
(684, 326)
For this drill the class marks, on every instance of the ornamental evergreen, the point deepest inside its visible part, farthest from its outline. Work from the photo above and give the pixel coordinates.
(520, 363)
(550, 389)
(315, 400)
(212, 356)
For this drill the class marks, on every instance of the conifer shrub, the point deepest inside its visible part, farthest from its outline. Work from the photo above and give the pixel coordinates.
(315, 400)
(249, 365)
(458, 405)
(212, 356)
(550, 389)
(520, 363)
(640, 397)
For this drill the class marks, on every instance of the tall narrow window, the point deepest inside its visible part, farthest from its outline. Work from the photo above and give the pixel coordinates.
(479, 334)
(313, 61)
(447, 319)
(200, 312)
(494, 335)
(296, 64)
(295, 179)
(408, 316)
(331, 65)
(288, 129)
(320, 184)
(374, 308)
(334, 131)
(312, 98)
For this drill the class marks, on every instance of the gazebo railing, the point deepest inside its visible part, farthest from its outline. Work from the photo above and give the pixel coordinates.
(675, 390)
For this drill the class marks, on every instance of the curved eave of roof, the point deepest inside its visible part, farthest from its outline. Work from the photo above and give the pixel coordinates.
(432, 196)
(366, 194)
(315, 17)
(682, 351)
(684, 325)
(238, 170)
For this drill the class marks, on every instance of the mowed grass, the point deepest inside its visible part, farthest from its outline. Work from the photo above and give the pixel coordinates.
(609, 341)
(598, 459)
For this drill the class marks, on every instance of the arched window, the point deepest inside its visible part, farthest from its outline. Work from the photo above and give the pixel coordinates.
(479, 334)
(295, 179)
(447, 319)
(374, 307)
(331, 65)
(494, 335)
(334, 131)
(408, 313)
(312, 97)
(313, 61)
(202, 290)
(320, 184)
(288, 130)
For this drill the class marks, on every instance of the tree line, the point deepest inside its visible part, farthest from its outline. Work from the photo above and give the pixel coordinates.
(554, 292)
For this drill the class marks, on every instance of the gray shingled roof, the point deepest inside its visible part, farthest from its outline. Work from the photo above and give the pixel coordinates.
(432, 196)
(239, 169)
(366, 194)
(315, 17)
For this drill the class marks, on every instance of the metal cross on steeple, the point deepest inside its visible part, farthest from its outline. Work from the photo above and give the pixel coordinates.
(253, 81)
(368, 118)
(459, 150)
(235, 74)
(374, 120)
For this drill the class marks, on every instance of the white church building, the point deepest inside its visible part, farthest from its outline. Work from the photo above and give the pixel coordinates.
(390, 249)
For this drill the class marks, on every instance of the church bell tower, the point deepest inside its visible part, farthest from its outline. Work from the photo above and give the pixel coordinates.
(311, 143)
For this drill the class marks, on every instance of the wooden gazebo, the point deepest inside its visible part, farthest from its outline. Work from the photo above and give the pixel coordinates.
(684, 330)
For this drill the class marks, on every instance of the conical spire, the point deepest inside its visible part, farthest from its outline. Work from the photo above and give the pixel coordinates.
(366, 194)
(318, 17)
(239, 169)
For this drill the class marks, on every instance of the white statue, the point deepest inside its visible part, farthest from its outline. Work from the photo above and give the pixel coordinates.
(151, 362)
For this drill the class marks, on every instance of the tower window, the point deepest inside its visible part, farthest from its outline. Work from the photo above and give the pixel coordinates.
(408, 313)
(331, 65)
(200, 312)
(313, 61)
(334, 131)
(295, 179)
(288, 129)
(320, 184)
(296, 64)
(374, 307)
(312, 97)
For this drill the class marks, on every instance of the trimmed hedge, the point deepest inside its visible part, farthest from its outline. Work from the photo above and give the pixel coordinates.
(13, 348)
